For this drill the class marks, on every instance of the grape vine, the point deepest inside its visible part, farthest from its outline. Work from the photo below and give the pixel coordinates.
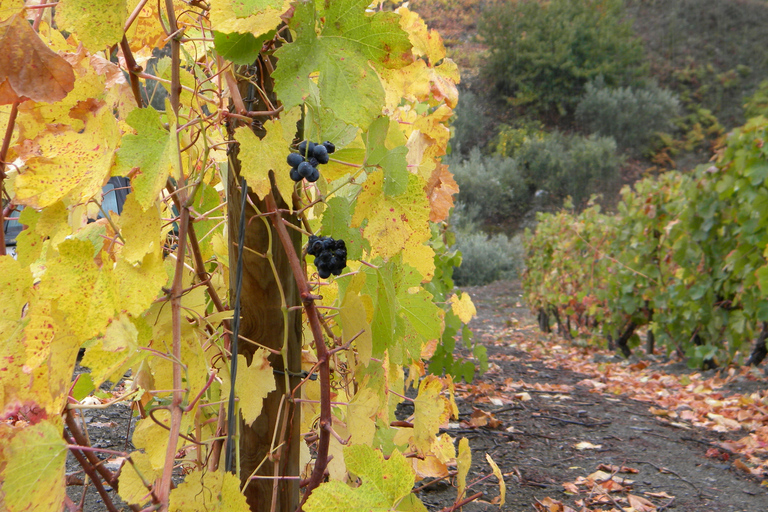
(184, 100)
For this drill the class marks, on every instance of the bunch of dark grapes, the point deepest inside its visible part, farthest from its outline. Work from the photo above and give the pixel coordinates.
(304, 163)
(330, 255)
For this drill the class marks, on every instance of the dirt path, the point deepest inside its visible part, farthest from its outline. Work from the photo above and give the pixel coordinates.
(539, 412)
(543, 413)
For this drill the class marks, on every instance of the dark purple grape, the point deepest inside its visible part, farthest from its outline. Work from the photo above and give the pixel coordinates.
(329, 147)
(305, 169)
(321, 154)
(314, 176)
(295, 159)
(295, 176)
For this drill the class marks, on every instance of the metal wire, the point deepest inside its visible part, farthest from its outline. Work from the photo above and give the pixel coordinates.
(230, 453)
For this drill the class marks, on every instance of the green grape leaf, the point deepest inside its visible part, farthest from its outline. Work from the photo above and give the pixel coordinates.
(97, 23)
(153, 151)
(340, 50)
(241, 49)
(385, 313)
(391, 161)
(384, 483)
(336, 224)
(33, 478)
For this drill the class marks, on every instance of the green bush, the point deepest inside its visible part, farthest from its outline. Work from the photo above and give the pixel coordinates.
(569, 165)
(542, 54)
(491, 184)
(469, 124)
(630, 115)
(485, 259)
(757, 104)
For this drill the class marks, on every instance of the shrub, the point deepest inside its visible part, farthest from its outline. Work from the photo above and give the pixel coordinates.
(542, 54)
(574, 166)
(757, 104)
(628, 114)
(470, 123)
(487, 258)
(491, 183)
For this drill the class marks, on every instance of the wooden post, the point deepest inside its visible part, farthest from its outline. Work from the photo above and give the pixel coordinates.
(263, 322)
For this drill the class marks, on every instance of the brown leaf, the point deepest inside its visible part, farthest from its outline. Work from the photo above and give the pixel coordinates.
(640, 504)
(440, 190)
(31, 69)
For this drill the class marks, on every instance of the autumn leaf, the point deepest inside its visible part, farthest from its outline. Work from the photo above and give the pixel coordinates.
(29, 67)
(464, 461)
(463, 307)
(97, 23)
(208, 491)
(440, 189)
(340, 49)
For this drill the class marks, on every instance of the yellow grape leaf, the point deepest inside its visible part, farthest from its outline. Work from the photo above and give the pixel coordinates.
(497, 474)
(63, 162)
(384, 483)
(355, 322)
(258, 157)
(253, 384)
(361, 413)
(464, 461)
(463, 307)
(153, 150)
(80, 290)
(255, 16)
(410, 83)
(440, 189)
(133, 477)
(141, 230)
(146, 33)
(429, 413)
(394, 223)
(97, 23)
(89, 90)
(426, 43)
(15, 285)
(140, 284)
(152, 438)
(422, 258)
(28, 68)
(208, 491)
(33, 478)
(120, 343)
(10, 7)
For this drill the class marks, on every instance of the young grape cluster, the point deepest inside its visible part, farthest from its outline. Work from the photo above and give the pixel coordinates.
(330, 255)
(304, 163)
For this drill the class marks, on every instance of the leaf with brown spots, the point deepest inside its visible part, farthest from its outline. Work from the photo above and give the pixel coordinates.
(28, 67)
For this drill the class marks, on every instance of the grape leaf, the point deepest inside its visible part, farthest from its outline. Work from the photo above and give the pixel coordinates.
(258, 157)
(361, 412)
(384, 483)
(63, 162)
(33, 478)
(208, 491)
(253, 384)
(440, 189)
(240, 49)
(259, 18)
(336, 224)
(153, 151)
(385, 314)
(347, 41)
(10, 7)
(463, 307)
(464, 461)
(31, 69)
(141, 230)
(97, 23)
(429, 413)
(354, 322)
(500, 477)
(393, 222)
(133, 477)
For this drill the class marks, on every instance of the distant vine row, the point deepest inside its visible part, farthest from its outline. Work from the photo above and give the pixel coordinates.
(683, 257)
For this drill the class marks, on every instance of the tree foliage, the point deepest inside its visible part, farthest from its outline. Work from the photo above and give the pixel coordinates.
(542, 54)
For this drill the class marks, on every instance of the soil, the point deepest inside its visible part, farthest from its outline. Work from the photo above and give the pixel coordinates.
(538, 413)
